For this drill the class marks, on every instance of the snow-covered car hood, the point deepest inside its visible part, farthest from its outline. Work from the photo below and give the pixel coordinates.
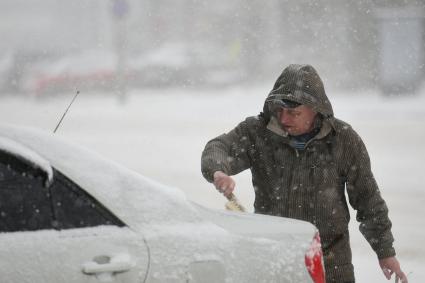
(258, 225)
(139, 201)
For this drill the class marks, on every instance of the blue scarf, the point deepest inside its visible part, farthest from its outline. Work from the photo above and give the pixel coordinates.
(299, 142)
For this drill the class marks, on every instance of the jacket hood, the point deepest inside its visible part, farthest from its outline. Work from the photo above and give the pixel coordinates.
(301, 84)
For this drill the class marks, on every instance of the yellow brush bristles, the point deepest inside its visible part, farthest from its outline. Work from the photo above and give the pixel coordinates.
(233, 204)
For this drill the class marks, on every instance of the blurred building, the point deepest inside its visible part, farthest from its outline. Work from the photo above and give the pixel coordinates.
(196, 42)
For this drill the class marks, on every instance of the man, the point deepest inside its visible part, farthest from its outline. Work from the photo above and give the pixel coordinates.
(302, 159)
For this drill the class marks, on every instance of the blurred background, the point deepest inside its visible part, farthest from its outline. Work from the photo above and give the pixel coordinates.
(51, 46)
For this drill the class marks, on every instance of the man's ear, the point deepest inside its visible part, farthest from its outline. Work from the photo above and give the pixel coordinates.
(318, 118)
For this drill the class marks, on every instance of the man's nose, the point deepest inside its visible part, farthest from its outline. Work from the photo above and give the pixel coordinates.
(284, 117)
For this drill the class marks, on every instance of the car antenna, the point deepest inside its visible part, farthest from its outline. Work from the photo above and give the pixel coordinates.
(66, 111)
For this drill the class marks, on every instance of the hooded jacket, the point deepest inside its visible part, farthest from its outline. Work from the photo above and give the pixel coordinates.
(307, 184)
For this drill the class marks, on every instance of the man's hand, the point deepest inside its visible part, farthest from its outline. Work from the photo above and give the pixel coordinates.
(223, 183)
(391, 265)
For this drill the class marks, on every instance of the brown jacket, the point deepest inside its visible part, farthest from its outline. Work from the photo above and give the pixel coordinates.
(307, 184)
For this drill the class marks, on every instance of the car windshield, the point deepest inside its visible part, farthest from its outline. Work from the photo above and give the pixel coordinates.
(29, 203)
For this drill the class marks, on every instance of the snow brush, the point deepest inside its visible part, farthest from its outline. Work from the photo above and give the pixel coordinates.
(233, 204)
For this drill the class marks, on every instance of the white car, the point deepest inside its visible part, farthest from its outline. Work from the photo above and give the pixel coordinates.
(69, 215)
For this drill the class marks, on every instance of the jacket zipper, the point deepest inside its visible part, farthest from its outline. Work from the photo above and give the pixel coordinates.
(294, 168)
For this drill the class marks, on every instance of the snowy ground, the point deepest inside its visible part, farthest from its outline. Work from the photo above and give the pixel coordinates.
(161, 133)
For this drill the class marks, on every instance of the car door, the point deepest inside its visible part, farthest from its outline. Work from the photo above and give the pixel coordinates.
(59, 233)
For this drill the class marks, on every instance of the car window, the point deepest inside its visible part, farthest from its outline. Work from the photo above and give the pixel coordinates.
(26, 204)
(74, 208)
(24, 200)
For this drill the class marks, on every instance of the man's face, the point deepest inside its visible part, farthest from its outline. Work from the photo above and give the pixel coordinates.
(297, 121)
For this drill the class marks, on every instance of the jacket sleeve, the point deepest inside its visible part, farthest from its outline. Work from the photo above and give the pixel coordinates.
(227, 153)
(364, 196)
